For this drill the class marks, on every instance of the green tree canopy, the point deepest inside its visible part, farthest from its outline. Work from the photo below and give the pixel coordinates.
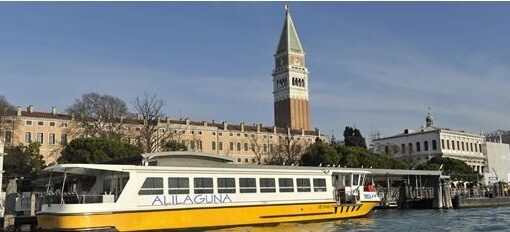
(456, 169)
(23, 161)
(174, 145)
(96, 150)
(354, 157)
(353, 137)
(320, 153)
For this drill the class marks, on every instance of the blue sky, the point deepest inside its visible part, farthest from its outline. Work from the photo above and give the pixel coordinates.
(377, 66)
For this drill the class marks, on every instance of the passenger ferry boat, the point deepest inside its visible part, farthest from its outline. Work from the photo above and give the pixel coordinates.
(144, 198)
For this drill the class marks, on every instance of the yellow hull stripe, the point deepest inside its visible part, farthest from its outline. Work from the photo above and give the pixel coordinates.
(204, 217)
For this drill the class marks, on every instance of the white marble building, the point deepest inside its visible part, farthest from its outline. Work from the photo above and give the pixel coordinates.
(418, 146)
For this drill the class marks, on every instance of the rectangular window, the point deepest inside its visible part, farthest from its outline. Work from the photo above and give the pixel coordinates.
(40, 138)
(434, 145)
(28, 123)
(8, 136)
(453, 145)
(319, 185)
(247, 185)
(462, 146)
(231, 146)
(63, 138)
(64, 124)
(40, 123)
(52, 123)
(178, 185)
(480, 147)
(220, 146)
(213, 145)
(226, 185)
(238, 146)
(271, 147)
(303, 185)
(442, 143)
(203, 185)
(448, 144)
(355, 179)
(471, 144)
(267, 185)
(265, 148)
(192, 145)
(28, 137)
(286, 185)
(426, 145)
(458, 145)
(418, 147)
(152, 186)
(52, 138)
(245, 146)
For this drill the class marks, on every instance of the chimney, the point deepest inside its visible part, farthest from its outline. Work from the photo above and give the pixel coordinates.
(242, 126)
(274, 129)
(258, 127)
(318, 131)
(18, 111)
(54, 110)
(30, 108)
(225, 125)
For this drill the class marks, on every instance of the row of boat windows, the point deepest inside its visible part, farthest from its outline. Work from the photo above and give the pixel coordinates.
(204, 185)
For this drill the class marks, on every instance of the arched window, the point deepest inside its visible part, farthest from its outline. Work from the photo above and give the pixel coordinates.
(418, 147)
(434, 145)
(410, 148)
(386, 150)
(426, 145)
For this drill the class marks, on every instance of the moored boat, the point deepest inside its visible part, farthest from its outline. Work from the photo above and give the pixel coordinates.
(142, 198)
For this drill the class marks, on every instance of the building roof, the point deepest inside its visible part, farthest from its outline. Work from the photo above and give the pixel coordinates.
(187, 154)
(424, 130)
(289, 40)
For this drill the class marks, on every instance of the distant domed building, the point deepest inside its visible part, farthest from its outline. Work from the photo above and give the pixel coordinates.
(420, 145)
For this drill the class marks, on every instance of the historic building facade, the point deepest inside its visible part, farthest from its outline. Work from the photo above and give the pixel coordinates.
(418, 146)
(244, 143)
(290, 80)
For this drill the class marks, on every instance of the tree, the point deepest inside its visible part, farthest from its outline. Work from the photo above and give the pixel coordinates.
(100, 115)
(151, 135)
(457, 169)
(6, 111)
(287, 152)
(257, 147)
(320, 153)
(23, 161)
(353, 137)
(174, 145)
(96, 150)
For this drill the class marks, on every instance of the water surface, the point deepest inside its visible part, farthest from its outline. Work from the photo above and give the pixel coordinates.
(475, 219)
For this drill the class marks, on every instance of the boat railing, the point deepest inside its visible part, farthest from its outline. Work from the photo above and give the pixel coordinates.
(75, 198)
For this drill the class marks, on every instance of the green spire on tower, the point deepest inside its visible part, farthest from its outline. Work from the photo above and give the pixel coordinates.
(289, 40)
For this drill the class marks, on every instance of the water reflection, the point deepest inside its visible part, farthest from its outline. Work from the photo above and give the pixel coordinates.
(476, 219)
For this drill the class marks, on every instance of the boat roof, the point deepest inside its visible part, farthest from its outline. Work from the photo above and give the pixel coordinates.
(82, 168)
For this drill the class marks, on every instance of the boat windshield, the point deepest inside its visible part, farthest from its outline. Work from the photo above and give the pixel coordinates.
(81, 186)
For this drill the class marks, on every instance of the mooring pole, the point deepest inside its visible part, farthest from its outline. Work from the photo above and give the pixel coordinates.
(10, 205)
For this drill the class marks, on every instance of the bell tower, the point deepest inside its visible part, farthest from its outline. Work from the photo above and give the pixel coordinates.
(290, 80)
